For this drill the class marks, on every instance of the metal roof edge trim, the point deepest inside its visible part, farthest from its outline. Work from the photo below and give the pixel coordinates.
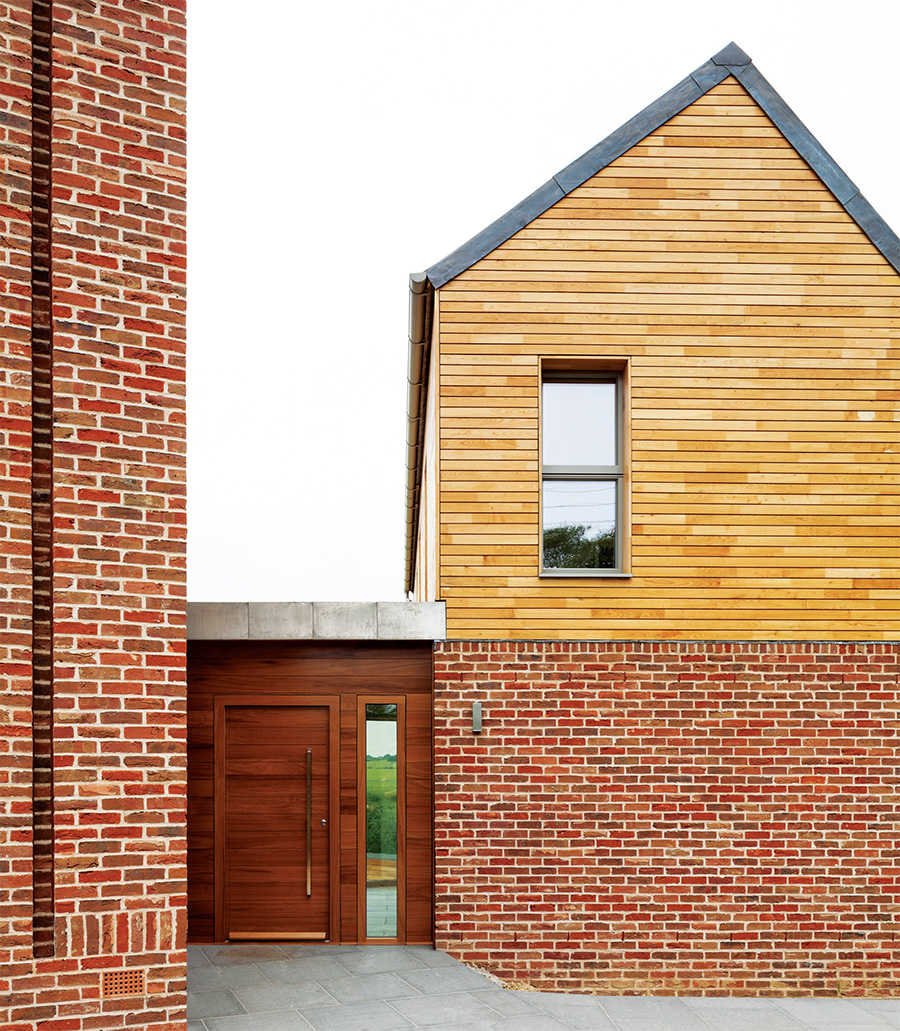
(732, 55)
(803, 141)
(731, 60)
(821, 162)
(577, 172)
(875, 227)
(497, 232)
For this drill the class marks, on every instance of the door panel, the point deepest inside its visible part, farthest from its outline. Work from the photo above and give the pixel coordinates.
(274, 829)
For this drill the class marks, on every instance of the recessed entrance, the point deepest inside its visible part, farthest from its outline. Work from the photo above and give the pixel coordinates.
(310, 791)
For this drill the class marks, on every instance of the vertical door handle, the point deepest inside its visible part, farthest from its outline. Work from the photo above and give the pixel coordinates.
(308, 822)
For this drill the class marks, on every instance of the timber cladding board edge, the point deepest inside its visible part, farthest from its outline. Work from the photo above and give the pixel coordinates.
(763, 332)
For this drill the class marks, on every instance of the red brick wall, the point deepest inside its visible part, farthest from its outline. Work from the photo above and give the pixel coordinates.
(666, 818)
(117, 694)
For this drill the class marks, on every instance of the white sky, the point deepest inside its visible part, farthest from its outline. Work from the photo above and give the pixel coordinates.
(381, 738)
(337, 147)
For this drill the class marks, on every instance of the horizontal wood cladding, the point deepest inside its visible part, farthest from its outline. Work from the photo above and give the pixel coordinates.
(348, 670)
(761, 331)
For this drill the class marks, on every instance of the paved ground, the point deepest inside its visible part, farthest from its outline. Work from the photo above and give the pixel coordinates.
(392, 988)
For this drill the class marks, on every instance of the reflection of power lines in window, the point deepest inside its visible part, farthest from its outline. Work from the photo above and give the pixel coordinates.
(584, 504)
(580, 490)
(588, 527)
(599, 519)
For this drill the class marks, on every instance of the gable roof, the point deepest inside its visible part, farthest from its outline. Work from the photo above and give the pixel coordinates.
(729, 61)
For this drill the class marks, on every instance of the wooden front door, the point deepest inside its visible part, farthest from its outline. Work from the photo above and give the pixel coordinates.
(275, 812)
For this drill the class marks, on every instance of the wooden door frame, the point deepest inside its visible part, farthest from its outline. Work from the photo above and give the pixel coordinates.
(380, 698)
(332, 703)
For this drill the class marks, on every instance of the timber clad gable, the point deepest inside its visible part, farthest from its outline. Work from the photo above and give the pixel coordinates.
(759, 324)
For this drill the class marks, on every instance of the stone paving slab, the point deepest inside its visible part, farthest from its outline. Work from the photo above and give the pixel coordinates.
(887, 1009)
(286, 1020)
(323, 987)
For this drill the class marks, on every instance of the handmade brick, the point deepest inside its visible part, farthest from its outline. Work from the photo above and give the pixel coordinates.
(606, 833)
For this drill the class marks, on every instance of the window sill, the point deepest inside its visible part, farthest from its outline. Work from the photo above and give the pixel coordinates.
(593, 574)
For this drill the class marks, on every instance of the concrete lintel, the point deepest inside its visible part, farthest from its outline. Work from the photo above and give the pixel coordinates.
(345, 620)
(317, 621)
(412, 620)
(281, 620)
(217, 621)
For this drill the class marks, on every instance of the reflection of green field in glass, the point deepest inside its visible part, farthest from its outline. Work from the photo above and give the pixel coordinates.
(381, 775)
(381, 806)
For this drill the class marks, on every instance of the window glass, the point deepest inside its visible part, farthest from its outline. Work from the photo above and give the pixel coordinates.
(381, 821)
(579, 524)
(579, 423)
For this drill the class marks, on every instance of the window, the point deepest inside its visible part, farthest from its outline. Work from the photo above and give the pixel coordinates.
(381, 826)
(582, 473)
(382, 755)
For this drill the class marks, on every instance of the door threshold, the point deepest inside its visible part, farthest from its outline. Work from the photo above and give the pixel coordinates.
(277, 936)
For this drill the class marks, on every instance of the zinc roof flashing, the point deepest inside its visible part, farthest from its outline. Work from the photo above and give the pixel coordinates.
(730, 60)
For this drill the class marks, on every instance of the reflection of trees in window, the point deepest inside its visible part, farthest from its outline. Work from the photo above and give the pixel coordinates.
(384, 711)
(381, 823)
(568, 547)
(381, 781)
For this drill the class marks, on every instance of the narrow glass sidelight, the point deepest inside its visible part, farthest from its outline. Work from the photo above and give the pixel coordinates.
(381, 821)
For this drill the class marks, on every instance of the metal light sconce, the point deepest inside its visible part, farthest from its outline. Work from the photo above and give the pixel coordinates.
(476, 717)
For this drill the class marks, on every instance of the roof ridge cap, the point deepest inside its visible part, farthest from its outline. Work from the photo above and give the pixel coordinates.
(731, 55)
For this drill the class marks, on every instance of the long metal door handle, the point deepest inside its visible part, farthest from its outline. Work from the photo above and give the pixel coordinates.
(308, 822)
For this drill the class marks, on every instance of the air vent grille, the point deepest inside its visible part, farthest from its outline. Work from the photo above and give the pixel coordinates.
(115, 983)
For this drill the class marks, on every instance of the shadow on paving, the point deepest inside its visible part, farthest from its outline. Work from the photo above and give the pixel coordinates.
(392, 988)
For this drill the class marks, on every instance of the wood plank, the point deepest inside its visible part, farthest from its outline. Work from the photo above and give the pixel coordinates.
(735, 227)
(674, 351)
(735, 321)
(621, 593)
(879, 280)
(700, 205)
(834, 259)
(677, 580)
(611, 291)
(671, 157)
(854, 394)
(758, 332)
(622, 604)
(821, 629)
(561, 310)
